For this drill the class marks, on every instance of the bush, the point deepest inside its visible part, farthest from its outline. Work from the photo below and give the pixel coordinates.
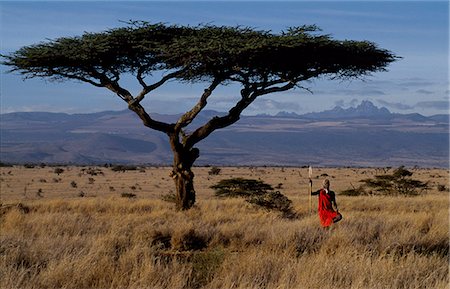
(214, 171)
(58, 171)
(128, 195)
(273, 201)
(239, 187)
(442, 188)
(256, 193)
(353, 192)
(93, 171)
(397, 183)
(123, 168)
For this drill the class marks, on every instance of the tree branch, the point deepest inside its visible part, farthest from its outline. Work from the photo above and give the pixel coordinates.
(148, 121)
(220, 122)
(189, 116)
(137, 107)
(147, 88)
(248, 95)
(77, 77)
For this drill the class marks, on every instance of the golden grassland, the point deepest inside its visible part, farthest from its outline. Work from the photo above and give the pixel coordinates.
(51, 237)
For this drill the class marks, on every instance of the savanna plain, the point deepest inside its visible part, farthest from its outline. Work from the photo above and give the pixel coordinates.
(92, 227)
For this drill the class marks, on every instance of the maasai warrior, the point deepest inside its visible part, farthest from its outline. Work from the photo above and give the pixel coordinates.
(328, 210)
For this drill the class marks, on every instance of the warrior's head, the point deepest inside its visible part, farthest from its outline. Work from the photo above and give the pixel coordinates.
(326, 184)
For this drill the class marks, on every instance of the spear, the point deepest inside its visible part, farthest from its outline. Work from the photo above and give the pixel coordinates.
(310, 189)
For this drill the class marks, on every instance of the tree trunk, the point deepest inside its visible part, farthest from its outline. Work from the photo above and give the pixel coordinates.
(184, 184)
(182, 174)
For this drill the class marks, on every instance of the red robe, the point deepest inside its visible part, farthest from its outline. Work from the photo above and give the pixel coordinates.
(326, 212)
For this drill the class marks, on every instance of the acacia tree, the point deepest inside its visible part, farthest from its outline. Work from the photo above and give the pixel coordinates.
(262, 62)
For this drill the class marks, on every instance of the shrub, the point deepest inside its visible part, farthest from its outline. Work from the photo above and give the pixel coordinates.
(442, 188)
(397, 183)
(273, 201)
(239, 187)
(255, 192)
(58, 171)
(353, 192)
(128, 195)
(93, 171)
(73, 184)
(123, 168)
(214, 171)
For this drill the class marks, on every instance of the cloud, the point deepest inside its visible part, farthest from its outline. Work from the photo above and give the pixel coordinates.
(434, 104)
(272, 105)
(424, 91)
(416, 82)
(345, 103)
(438, 104)
(360, 92)
(395, 105)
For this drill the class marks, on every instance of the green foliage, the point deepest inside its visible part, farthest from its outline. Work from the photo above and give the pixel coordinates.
(256, 193)
(201, 52)
(123, 168)
(353, 192)
(273, 201)
(397, 183)
(239, 187)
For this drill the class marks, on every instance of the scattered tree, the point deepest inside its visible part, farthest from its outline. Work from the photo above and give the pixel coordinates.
(257, 193)
(261, 62)
(239, 187)
(400, 182)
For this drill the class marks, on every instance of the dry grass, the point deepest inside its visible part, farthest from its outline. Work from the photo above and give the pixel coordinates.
(64, 241)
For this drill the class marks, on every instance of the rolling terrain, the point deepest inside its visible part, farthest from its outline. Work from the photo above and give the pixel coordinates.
(359, 136)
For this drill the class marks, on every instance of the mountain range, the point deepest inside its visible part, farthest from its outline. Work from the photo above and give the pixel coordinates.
(365, 135)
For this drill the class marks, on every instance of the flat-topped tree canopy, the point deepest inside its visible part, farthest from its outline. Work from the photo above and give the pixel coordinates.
(200, 53)
(262, 62)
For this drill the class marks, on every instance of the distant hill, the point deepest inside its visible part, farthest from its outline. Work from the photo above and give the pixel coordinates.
(364, 135)
(365, 110)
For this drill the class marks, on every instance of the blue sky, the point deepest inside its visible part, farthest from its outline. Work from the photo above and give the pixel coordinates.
(415, 30)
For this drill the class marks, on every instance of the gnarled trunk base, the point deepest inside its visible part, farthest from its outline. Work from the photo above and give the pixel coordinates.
(183, 175)
(184, 184)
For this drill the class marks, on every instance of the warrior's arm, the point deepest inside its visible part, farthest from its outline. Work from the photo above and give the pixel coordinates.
(333, 202)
